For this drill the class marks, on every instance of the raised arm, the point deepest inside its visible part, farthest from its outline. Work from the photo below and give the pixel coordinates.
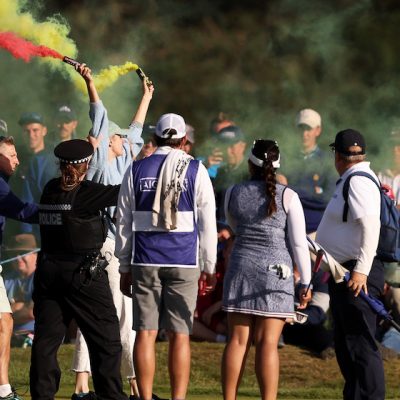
(98, 135)
(141, 112)
(135, 141)
(86, 74)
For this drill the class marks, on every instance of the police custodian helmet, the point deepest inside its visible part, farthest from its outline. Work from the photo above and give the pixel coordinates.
(74, 151)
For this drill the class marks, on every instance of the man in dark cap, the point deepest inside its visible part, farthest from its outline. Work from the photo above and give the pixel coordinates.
(12, 207)
(353, 243)
(232, 144)
(34, 129)
(41, 166)
(70, 278)
(66, 124)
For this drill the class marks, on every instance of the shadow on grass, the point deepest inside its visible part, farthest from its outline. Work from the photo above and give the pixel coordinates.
(302, 375)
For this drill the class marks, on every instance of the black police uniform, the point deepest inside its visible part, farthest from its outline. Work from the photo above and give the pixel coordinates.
(71, 227)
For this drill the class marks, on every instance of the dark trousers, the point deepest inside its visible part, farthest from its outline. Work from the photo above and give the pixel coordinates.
(315, 338)
(354, 333)
(62, 292)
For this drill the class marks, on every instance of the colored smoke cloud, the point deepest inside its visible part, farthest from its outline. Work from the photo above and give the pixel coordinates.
(52, 33)
(106, 77)
(51, 40)
(20, 48)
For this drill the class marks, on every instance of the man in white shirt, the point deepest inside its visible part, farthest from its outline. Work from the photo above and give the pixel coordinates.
(353, 243)
(166, 230)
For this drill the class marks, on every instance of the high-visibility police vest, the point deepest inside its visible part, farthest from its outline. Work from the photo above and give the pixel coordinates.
(154, 246)
(62, 232)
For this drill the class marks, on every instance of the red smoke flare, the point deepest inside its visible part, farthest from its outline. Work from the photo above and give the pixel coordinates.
(21, 48)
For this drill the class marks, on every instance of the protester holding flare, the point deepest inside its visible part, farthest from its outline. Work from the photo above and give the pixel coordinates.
(114, 151)
(258, 285)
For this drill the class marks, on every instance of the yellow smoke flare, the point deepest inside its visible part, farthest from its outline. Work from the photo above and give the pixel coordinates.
(52, 33)
(106, 77)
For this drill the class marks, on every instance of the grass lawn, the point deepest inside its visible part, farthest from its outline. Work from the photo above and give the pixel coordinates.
(303, 376)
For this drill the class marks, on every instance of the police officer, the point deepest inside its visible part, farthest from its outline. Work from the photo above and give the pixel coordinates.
(70, 282)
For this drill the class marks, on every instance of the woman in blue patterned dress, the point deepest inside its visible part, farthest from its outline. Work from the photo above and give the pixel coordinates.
(270, 236)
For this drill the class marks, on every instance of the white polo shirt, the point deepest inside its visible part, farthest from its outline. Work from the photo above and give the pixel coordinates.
(345, 240)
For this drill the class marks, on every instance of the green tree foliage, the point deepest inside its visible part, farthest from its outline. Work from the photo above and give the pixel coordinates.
(258, 61)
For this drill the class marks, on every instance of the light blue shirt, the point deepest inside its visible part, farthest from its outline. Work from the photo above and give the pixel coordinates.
(102, 170)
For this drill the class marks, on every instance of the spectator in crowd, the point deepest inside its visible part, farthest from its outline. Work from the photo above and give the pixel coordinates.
(19, 286)
(149, 142)
(211, 153)
(66, 122)
(210, 322)
(387, 335)
(312, 334)
(12, 207)
(3, 127)
(188, 147)
(113, 154)
(268, 222)
(232, 143)
(41, 166)
(391, 174)
(353, 244)
(390, 177)
(221, 121)
(310, 172)
(392, 292)
(163, 232)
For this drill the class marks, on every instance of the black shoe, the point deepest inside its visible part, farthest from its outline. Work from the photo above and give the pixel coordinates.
(155, 397)
(84, 396)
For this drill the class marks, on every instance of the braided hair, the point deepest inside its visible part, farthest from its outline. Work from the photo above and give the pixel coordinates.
(264, 154)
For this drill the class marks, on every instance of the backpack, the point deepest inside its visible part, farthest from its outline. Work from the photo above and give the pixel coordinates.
(389, 238)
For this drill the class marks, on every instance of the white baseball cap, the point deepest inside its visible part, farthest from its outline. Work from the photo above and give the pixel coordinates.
(308, 117)
(3, 126)
(190, 133)
(168, 122)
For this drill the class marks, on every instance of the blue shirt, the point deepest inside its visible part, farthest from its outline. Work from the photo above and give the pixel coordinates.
(313, 177)
(20, 290)
(12, 207)
(102, 170)
(43, 166)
